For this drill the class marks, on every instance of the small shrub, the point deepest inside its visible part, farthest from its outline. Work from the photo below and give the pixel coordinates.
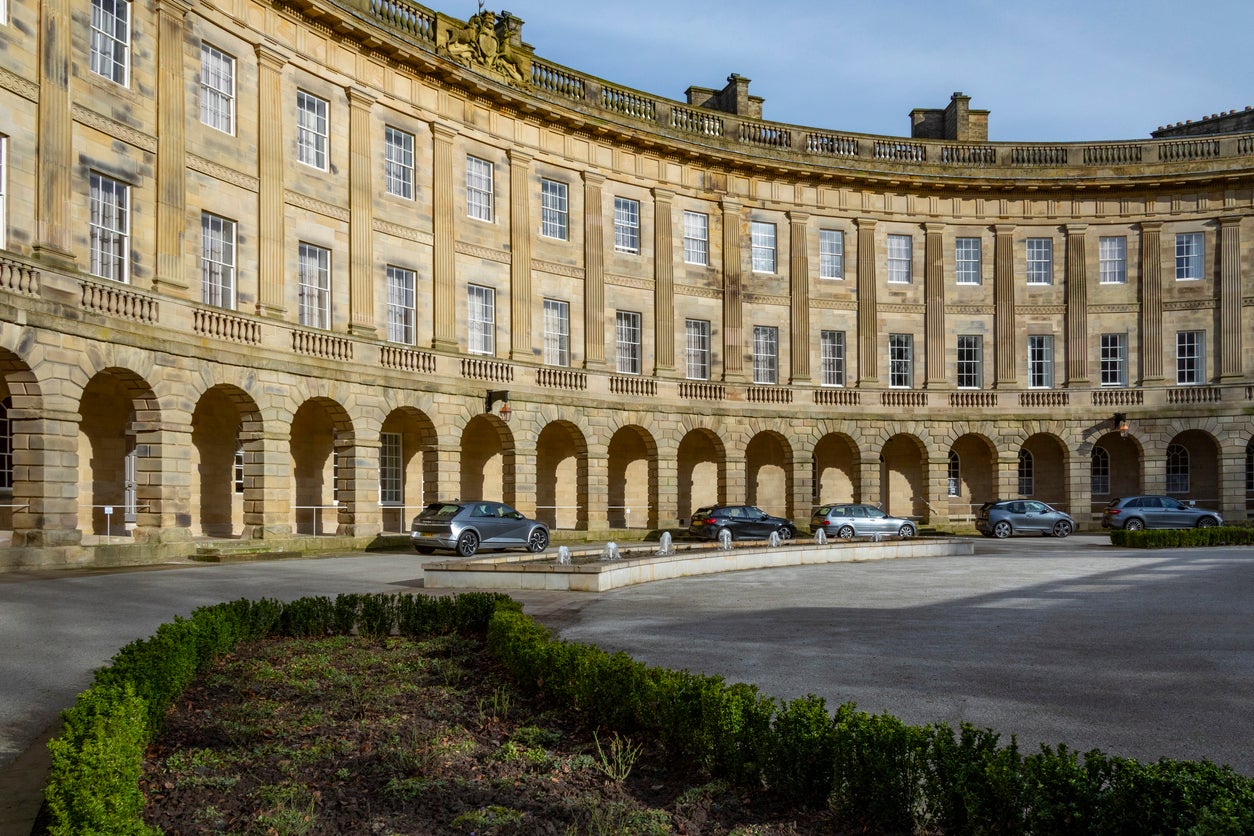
(802, 755)
(616, 759)
(973, 785)
(880, 764)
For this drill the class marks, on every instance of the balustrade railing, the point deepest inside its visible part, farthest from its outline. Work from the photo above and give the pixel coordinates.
(1118, 397)
(118, 300)
(696, 122)
(765, 136)
(1123, 154)
(702, 390)
(628, 103)
(407, 359)
(968, 154)
(1194, 394)
(973, 399)
(1039, 155)
(1044, 399)
(480, 368)
(634, 386)
(221, 325)
(768, 394)
(1189, 149)
(322, 345)
(552, 378)
(832, 145)
(837, 397)
(18, 278)
(412, 20)
(898, 399)
(895, 149)
(554, 79)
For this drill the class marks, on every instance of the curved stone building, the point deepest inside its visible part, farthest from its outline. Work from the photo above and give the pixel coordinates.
(277, 271)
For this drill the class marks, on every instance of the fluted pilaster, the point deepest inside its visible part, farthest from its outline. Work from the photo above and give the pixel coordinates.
(733, 315)
(171, 149)
(868, 308)
(1077, 307)
(593, 270)
(444, 255)
(1230, 340)
(270, 182)
(1151, 325)
(54, 160)
(520, 256)
(360, 213)
(664, 280)
(799, 275)
(934, 304)
(1004, 305)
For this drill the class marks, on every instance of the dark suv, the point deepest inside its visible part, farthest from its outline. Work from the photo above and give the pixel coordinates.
(744, 522)
(1136, 512)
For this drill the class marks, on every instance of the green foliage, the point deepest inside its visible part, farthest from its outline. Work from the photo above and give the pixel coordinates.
(378, 615)
(306, 617)
(1183, 538)
(880, 765)
(972, 784)
(801, 757)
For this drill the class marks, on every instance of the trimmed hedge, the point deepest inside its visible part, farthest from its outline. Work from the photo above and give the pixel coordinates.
(1183, 538)
(876, 771)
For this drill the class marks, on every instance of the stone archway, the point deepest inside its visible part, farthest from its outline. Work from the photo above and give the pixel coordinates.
(768, 474)
(1193, 468)
(903, 483)
(1115, 469)
(837, 476)
(119, 478)
(702, 470)
(562, 477)
(220, 490)
(1045, 476)
(633, 472)
(408, 475)
(974, 480)
(487, 460)
(322, 445)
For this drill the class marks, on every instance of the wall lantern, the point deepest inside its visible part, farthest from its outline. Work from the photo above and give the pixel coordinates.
(1121, 421)
(492, 397)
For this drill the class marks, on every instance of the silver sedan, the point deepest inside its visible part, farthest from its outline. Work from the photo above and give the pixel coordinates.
(854, 520)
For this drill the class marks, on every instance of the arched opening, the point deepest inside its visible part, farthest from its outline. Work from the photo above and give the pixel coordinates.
(1249, 478)
(902, 486)
(487, 457)
(408, 478)
(702, 472)
(836, 476)
(970, 476)
(768, 476)
(111, 495)
(633, 479)
(562, 477)
(1193, 468)
(1048, 471)
(322, 447)
(1115, 469)
(220, 490)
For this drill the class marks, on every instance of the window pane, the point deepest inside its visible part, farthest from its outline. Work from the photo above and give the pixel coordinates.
(831, 254)
(901, 360)
(1114, 359)
(110, 38)
(900, 257)
(1177, 469)
(626, 225)
(217, 89)
(391, 482)
(970, 351)
(1041, 361)
(1112, 259)
(314, 289)
(763, 244)
(967, 260)
(698, 345)
(832, 356)
(696, 238)
(1040, 259)
(398, 162)
(400, 305)
(556, 333)
(481, 319)
(311, 129)
(553, 209)
(1190, 357)
(1099, 473)
(478, 188)
(1025, 473)
(110, 228)
(217, 261)
(765, 354)
(627, 342)
(1189, 256)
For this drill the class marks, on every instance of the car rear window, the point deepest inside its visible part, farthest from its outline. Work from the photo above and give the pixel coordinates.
(440, 511)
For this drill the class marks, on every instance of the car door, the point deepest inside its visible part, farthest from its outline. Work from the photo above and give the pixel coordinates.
(485, 517)
(755, 523)
(513, 526)
(1152, 511)
(875, 521)
(1036, 516)
(1175, 514)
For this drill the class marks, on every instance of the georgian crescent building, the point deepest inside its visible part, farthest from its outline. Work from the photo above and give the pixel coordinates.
(280, 271)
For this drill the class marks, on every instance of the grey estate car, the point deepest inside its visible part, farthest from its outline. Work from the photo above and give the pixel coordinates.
(1022, 516)
(852, 519)
(1136, 512)
(465, 526)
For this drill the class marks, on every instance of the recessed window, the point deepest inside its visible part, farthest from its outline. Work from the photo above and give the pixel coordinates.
(697, 338)
(765, 355)
(831, 254)
(763, 242)
(967, 260)
(6, 446)
(1041, 361)
(1177, 468)
(696, 238)
(4, 194)
(953, 474)
(481, 319)
(556, 332)
(1026, 472)
(398, 162)
(479, 189)
(1114, 360)
(401, 296)
(626, 225)
(1189, 248)
(314, 286)
(900, 259)
(1040, 259)
(832, 357)
(970, 361)
(554, 221)
(1249, 467)
(1112, 258)
(217, 89)
(110, 228)
(627, 342)
(312, 131)
(901, 361)
(1099, 472)
(1190, 357)
(391, 469)
(111, 39)
(217, 261)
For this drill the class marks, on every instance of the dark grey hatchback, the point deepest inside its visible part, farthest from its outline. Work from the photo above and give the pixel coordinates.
(1022, 516)
(465, 526)
(743, 522)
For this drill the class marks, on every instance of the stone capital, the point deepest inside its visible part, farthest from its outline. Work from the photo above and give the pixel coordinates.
(934, 227)
(1151, 226)
(798, 217)
(360, 97)
(271, 57)
(865, 223)
(443, 131)
(593, 178)
(519, 158)
(663, 195)
(1004, 229)
(1075, 229)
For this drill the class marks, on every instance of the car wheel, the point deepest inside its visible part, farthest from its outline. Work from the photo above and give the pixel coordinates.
(1207, 522)
(1062, 528)
(423, 549)
(785, 532)
(906, 530)
(1133, 525)
(718, 535)
(537, 540)
(1002, 530)
(467, 544)
(845, 533)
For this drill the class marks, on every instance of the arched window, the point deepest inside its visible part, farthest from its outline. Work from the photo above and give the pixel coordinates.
(6, 446)
(955, 475)
(1177, 469)
(1025, 472)
(1099, 472)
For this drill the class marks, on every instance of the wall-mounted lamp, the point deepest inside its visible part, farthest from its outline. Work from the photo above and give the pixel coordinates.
(492, 397)
(1121, 421)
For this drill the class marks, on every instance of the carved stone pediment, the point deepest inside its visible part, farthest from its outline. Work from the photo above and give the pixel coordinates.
(487, 43)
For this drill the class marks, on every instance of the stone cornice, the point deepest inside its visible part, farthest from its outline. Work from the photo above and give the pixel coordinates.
(406, 233)
(303, 201)
(482, 252)
(16, 84)
(221, 172)
(117, 130)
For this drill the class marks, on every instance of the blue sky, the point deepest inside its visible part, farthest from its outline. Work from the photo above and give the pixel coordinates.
(1063, 70)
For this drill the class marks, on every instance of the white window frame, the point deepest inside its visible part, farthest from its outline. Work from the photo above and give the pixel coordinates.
(1039, 254)
(556, 332)
(1178, 467)
(111, 40)
(953, 474)
(1190, 358)
(968, 261)
(765, 355)
(901, 361)
(1027, 474)
(831, 254)
(217, 260)
(1190, 253)
(762, 243)
(696, 238)
(217, 89)
(314, 286)
(1099, 472)
(398, 162)
(1112, 259)
(480, 189)
(900, 259)
(312, 129)
(1114, 359)
(480, 319)
(402, 289)
(970, 365)
(110, 228)
(391, 470)
(832, 358)
(697, 347)
(1040, 361)
(6, 444)
(554, 210)
(626, 225)
(628, 342)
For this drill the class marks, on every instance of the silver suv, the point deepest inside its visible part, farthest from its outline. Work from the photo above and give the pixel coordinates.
(1136, 512)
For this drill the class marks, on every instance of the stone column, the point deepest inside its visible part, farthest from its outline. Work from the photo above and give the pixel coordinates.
(1077, 308)
(598, 497)
(54, 152)
(868, 309)
(359, 514)
(1230, 340)
(934, 304)
(799, 275)
(45, 468)
(933, 506)
(270, 182)
(1231, 481)
(520, 347)
(171, 150)
(361, 164)
(593, 271)
(733, 315)
(663, 281)
(162, 477)
(1079, 479)
(444, 253)
(268, 511)
(871, 478)
(1006, 346)
(448, 468)
(1151, 325)
(802, 487)
(736, 488)
(1007, 476)
(667, 464)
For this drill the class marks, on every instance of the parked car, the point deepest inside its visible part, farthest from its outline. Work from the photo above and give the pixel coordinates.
(1022, 516)
(464, 527)
(853, 520)
(1136, 512)
(743, 522)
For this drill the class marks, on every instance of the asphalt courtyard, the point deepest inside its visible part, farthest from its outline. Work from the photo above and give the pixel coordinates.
(1142, 654)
